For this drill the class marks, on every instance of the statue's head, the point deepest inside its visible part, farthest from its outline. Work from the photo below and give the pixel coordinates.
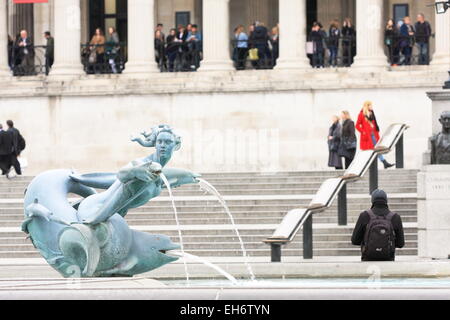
(166, 141)
(445, 120)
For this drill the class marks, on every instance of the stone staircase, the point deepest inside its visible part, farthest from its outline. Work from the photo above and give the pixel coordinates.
(258, 202)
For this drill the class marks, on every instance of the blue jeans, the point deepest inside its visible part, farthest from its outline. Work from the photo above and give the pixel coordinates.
(333, 55)
(423, 52)
(374, 140)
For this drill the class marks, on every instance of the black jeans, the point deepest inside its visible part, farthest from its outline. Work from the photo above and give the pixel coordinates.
(348, 162)
(5, 163)
(241, 57)
(15, 163)
(48, 64)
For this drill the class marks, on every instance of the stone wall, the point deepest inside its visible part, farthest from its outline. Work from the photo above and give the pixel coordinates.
(236, 123)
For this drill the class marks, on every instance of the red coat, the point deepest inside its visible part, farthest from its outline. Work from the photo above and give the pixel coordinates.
(366, 130)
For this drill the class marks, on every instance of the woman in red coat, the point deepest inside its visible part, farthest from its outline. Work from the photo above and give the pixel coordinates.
(370, 132)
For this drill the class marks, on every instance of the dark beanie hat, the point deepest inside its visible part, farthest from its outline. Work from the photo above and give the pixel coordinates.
(379, 196)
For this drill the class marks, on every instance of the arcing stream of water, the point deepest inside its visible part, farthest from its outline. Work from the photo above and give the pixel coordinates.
(166, 182)
(205, 262)
(205, 185)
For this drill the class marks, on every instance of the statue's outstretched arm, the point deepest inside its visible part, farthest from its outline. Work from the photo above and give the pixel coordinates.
(144, 171)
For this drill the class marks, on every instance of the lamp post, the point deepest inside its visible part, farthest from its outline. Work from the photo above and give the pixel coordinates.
(441, 8)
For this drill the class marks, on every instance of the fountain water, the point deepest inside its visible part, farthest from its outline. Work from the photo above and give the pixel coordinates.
(166, 182)
(205, 262)
(205, 185)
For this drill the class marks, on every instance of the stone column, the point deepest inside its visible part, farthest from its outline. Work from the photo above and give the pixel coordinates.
(67, 38)
(41, 13)
(292, 35)
(4, 70)
(369, 35)
(216, 36)
(441, 57)
(141, 50)
(257, 10)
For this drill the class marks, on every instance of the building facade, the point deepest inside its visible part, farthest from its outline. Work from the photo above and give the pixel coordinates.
(231, 120)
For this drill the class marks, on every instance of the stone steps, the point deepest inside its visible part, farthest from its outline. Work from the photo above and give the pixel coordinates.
(237, 253)
(247, 191)
(275, 182)
(258, 203)
(212, 222)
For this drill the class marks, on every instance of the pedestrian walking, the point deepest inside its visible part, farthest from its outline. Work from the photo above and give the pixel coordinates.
(6, 145)
(18, 145)
(367, 126)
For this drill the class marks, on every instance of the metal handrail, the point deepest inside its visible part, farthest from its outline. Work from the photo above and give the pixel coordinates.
(113, 58)
(35, 63)
(294, 220)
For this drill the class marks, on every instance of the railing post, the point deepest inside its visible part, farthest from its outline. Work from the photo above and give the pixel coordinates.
(342, 206)
(308, 238)
(399, 156)
(373, 176)
(275, 252)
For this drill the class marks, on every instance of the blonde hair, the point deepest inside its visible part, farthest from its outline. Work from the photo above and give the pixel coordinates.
(346, 114)
(366, 107)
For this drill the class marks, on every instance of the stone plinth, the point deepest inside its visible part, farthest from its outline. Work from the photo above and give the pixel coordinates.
(433, 210)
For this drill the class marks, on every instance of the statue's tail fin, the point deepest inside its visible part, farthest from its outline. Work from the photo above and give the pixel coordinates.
(79, 245)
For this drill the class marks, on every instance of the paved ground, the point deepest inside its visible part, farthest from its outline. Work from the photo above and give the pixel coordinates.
(112, 289)
(321, 278)
(290, 267)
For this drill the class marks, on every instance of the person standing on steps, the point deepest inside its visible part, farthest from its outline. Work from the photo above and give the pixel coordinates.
(347, 148)
(334, 140)
(378, 230)
(367, 126)
(49, 51)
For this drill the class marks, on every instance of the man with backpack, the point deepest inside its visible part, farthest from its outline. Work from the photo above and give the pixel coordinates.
(378, 230)
(18, 146)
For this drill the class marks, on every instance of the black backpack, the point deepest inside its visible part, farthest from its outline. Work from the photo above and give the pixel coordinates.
(379, 238)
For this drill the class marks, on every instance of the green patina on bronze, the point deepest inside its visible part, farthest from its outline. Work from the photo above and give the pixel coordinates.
(90, 238)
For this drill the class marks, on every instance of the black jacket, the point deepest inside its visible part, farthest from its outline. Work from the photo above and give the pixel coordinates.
(15, 140)
(317, 37)
(349, 34)
(260, 36)
(333, 37)
(347, 138)
(20, 52)
(423, 32)
(363, 221)
(335, 132)
(348, 130)
(6, 143)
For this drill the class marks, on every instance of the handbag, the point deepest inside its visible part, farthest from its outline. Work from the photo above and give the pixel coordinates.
(93, 56)
(349, 144)
(253, 54)
(310, 47)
